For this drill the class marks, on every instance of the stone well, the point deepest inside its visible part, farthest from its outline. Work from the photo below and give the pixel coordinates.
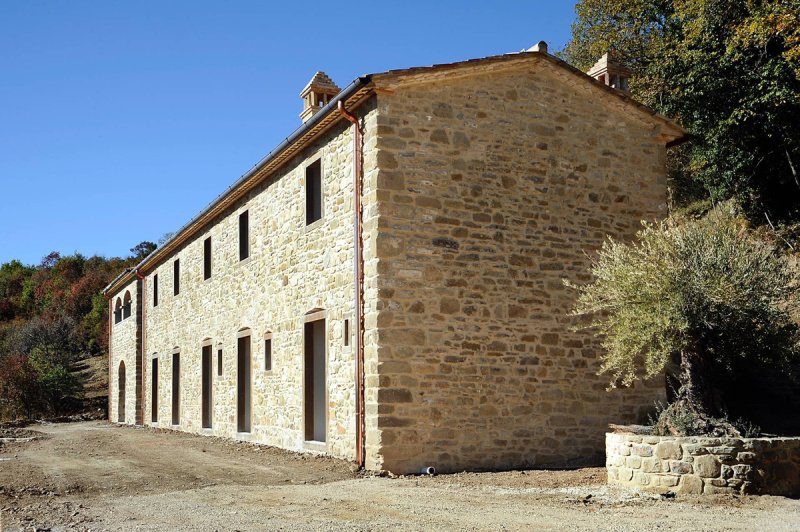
(695, 465)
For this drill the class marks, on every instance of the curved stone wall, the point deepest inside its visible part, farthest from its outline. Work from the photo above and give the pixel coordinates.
(704, 464)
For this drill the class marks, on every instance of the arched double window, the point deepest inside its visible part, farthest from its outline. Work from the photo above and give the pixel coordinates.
(126, 306)
(118, 311)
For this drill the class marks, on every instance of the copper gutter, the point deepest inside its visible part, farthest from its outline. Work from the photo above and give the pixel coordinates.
(355, 93)
(358, 275)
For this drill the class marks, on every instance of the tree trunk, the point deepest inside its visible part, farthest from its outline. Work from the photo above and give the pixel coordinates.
(696, 383)
(695, 410)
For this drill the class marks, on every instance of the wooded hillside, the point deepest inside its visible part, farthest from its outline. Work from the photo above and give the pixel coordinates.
(52, 316)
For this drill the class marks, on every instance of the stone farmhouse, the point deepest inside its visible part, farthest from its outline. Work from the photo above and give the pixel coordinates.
(386, 286)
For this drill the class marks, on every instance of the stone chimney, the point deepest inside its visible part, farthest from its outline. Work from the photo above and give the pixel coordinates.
(319, 91)
(611, 73)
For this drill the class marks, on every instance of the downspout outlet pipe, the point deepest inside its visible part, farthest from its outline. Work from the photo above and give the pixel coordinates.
(428, 470)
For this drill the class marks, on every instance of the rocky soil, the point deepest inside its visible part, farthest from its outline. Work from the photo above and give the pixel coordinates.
(96, 476)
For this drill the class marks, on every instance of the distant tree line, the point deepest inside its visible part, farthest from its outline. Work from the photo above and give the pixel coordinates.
(52, 315)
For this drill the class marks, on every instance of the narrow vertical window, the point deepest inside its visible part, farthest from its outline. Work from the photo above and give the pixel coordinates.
(346, 333)
(313, 192)
(244, 235)
(176, 277)
(207, 258)
(155, 290)
(268, 353)
(219, 362)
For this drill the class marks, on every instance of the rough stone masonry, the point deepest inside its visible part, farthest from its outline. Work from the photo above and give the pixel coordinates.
(485, 184)
(695, 465)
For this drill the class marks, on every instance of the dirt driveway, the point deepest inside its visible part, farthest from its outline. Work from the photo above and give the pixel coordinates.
(96, 476)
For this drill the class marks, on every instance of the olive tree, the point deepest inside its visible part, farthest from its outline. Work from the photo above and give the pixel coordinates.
(691, 298)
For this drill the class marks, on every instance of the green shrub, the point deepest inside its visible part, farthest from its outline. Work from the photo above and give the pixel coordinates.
(693, 298)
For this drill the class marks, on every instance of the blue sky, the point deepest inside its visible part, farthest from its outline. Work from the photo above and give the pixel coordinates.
(119, 121)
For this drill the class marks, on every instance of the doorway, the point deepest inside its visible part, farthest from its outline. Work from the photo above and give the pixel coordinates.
(243, 385)
(121, 394)
(154, 392)
(176, 388)
(315, 388)
(206, 395)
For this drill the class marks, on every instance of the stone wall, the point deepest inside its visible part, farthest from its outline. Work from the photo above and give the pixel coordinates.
(123, 348)
(706, 465)
(493, 188)
(293, 269)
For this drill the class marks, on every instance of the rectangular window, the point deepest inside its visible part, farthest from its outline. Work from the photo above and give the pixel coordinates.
(176, 277)
(155, 290)
(268, 354)
(244, 235)
(207, 258)
(313, 192)
(219, 362)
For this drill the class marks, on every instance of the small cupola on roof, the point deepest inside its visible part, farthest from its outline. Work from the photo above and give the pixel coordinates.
(319, 91)
(540, 46)
(610, 72)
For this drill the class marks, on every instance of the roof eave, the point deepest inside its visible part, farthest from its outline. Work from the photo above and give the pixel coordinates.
(188, 229)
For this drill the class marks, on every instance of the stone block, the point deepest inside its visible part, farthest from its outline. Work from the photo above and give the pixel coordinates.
(742, 471)
(707, 466)
(695, 449)
(735, 483)
(680, 468)
(710, 489)
(634, 462)
(641, 479)
(745, 457)
(668, 450)
(642, 449)
(690, 484)
(625, 474)
(669, 481)
(651, 465)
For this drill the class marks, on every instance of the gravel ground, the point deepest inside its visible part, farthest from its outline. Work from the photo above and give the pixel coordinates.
(97, 476)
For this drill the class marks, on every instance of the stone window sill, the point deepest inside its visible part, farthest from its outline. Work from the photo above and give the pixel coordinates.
(310, 227)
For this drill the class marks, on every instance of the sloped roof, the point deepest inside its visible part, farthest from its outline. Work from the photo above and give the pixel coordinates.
(351, 97)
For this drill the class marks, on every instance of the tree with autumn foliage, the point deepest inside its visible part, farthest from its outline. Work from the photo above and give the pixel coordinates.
(52, 316)
(728, 71)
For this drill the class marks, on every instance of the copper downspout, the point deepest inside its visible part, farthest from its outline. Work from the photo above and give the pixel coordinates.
(110, 369)
(358, 267)
(144, 344)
